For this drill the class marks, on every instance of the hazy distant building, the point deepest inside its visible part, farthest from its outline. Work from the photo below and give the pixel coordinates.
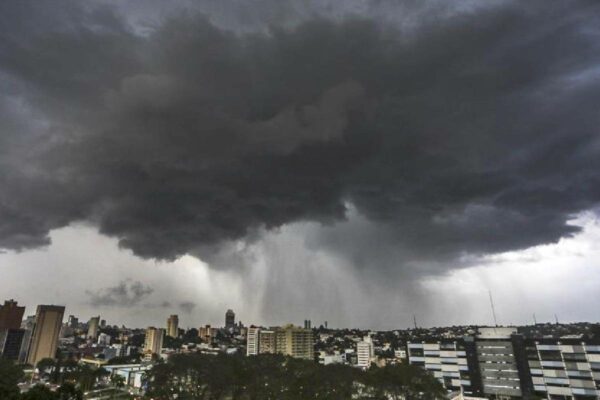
(104, 339)
(229, 319)
(93, 326)
(73, 322)
(154, 340)
(295, 342)
(173, 326)
(266, 342)
(253, 341)
(206, 333)
(364, 353)
(46, 331)
(307, 324)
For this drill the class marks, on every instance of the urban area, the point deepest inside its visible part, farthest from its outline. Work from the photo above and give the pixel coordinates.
(48, 356)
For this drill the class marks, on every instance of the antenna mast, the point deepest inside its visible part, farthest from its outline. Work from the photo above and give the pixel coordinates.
(493, 310)
(415, 321)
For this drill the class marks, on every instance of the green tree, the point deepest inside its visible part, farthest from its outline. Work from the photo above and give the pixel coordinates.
(10, 376)
(39, 392)
(68, 391)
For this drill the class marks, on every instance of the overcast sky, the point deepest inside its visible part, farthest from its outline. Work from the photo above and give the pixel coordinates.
(354, 163)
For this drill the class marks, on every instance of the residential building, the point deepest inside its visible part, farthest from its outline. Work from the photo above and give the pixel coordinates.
(499, 359)
(564, 369)
(11, 315)
(266, 343)
(173, 326)
(46, 332)
(93, 326)
(104, 339)
(253, 341)
(229, 319)
(295, 342)
(154, 340)
(365, 352)
(452, 362)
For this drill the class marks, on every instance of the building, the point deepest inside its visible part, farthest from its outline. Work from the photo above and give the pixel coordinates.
(173, 326)
(452, 362)
(104, 339)
(307, 324)
(229, 319)
(73, 322)
(46, 331)
(11, 334)
(93, 326)
(206, 333)
(11, 315)
(365, 352)
(565, 369)
(253, 341)
(266, 342)
(295, 342)
(154, 340)
(498, 354)
(11, 342)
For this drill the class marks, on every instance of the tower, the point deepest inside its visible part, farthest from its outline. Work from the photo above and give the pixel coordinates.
(44, 339)
(173, 326)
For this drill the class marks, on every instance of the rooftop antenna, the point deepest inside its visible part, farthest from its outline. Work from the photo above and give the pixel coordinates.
(556, 319)
(415, 321)
(534, 320)
(493, 310)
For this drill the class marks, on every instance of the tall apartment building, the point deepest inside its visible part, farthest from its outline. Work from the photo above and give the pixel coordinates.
(295, 342)
(46, 331)
(154, 340)
(364, 353)
(253, 341)
(173, 326)
(229, 319)
(266, 342)
(564, 369)
(452, 362)
(504, 372)
(93, 326)
(11, 315)
(11, 334)
(206, 333)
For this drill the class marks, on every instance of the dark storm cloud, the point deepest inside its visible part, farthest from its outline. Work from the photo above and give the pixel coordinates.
(472, 133)
(126, 294)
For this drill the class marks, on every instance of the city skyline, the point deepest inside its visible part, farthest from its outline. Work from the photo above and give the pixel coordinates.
(355, 162)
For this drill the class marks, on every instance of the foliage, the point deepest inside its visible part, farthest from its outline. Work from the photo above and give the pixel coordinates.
(39, 392)
(271, 377)
(10, 375)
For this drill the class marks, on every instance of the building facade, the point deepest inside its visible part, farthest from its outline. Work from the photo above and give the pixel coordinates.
(46, 332)
(154, 340)
(267, 343)
(93, 326)
(295, 342)
(253, 341)
(364, 353)
(173, 326)
(564, 369)
(229, 319)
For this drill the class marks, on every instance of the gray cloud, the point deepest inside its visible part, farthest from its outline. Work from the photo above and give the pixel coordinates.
(126, 294)
(472, 133)
(187, 306)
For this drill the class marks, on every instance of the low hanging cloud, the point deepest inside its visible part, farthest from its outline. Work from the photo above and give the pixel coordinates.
(125, 294)
(473, 134)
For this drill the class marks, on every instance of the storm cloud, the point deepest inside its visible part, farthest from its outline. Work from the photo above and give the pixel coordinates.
(125, 294)
(470, 133)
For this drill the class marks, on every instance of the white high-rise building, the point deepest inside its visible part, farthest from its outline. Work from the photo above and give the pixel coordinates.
(252, 343)
(364, 352)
